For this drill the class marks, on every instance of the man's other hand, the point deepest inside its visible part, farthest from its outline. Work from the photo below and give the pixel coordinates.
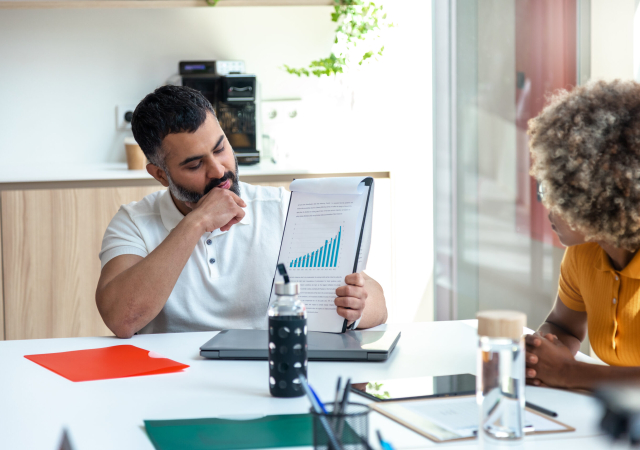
(219, 208)
(352, 297)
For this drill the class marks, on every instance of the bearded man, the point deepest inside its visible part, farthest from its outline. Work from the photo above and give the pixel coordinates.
(200, 255)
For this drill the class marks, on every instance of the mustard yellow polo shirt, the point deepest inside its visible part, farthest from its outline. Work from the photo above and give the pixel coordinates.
(611, 299)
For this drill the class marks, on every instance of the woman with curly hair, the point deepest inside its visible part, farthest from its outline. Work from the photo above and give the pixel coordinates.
(585, 148)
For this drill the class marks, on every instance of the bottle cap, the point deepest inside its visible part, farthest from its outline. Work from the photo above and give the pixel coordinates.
(287, 288)
(501, 324)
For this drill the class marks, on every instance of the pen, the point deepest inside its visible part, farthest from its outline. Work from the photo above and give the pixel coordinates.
(322, 407)
(540, 409)
(345, 396)
(343, 406)
(335, 443)
(384, 444)
(335, 401)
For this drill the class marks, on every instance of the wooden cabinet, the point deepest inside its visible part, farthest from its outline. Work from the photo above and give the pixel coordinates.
(50, 242)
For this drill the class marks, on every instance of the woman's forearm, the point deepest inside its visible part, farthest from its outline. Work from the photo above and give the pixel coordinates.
(568, 339)
(589, 376)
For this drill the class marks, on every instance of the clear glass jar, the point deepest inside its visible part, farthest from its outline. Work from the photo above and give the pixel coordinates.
(500, 389)
(287, 341)
(287, 305)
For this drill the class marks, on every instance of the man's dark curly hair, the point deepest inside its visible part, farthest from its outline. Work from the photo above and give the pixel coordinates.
(585, 149)
(167, 110)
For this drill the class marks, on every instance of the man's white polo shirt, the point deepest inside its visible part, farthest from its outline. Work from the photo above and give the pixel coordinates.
(227, 280)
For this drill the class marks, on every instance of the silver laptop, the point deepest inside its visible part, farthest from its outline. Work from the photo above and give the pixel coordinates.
(348, 346)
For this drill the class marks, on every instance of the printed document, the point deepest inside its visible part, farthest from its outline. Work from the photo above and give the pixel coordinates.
(453, 418)
(327, 236)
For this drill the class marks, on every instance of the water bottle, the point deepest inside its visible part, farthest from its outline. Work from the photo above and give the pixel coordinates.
(287, 341)
(501, 377)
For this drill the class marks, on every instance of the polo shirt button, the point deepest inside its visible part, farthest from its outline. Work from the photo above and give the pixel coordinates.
(614, 301)
(209, 241)
(616, 278)
(212, 260)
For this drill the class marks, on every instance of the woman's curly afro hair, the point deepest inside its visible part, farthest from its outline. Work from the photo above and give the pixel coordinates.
(585, 149)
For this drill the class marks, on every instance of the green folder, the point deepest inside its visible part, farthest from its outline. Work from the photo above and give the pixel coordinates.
(287, 430)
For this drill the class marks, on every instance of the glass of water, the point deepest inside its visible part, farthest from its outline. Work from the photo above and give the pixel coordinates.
(501, 376)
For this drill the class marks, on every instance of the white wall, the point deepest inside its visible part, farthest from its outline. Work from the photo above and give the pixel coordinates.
(612, 39)
(394, 105)
(636, 41)
(62, 72)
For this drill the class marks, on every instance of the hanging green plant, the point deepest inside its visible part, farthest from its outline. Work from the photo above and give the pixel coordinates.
(358, 21)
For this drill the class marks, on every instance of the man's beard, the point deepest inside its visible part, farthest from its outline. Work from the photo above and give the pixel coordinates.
(186, 195)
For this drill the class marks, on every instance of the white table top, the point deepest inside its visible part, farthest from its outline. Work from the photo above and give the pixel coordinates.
(35, 403)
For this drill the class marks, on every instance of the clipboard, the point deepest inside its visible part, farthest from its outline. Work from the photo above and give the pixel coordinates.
(367, 182)
(422, 425)
(362, 240)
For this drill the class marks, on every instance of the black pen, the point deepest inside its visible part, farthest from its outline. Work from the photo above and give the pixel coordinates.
(336, 400)
(343, 407)
(345, 397)
(540, 409)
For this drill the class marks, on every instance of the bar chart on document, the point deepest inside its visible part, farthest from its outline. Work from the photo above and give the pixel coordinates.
(326, 255)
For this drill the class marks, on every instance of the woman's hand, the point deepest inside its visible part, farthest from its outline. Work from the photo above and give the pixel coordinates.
(549, 362)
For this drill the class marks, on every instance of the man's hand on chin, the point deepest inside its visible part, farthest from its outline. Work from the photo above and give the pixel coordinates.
(352, 297)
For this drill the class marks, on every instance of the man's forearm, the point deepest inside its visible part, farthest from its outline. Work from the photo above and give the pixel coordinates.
(136, 296)
(375, 310)
(568, 339)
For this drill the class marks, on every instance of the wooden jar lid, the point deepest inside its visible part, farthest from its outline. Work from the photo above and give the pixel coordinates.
(501, 324)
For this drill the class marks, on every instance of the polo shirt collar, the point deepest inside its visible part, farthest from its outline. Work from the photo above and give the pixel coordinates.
(171, 215)
(632, 270)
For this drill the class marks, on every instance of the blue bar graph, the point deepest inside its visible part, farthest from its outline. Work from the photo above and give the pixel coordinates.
(325, 256)
(324, 252)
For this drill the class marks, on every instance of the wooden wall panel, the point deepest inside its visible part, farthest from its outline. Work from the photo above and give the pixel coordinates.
(51, 240)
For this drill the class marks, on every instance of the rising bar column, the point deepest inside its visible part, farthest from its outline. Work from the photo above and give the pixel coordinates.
(335, 259)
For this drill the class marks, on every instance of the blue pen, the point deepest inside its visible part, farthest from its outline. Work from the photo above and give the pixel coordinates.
(384, 444)
(333, 440)
(324, 410)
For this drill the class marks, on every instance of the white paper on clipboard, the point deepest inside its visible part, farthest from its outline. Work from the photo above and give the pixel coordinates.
(454, 418)
(327, 236)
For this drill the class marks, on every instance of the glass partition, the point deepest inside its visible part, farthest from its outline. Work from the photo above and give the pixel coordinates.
(494, 245)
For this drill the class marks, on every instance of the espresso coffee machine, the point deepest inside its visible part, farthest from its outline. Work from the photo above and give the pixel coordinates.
(233, 96)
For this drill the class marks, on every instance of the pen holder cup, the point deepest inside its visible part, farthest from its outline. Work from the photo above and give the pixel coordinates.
(350, 427)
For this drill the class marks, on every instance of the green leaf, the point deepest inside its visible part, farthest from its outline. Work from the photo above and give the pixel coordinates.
(357, 22)
(366, 56)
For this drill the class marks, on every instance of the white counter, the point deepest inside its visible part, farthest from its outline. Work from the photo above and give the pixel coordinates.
(118, 171)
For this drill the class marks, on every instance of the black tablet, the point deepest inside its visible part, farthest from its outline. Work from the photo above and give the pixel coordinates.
(410, 388)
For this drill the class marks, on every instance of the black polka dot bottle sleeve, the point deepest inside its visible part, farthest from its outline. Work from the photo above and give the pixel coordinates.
(287, 355)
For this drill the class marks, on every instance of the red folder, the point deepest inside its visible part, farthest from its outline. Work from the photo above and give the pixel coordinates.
(119, 361)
